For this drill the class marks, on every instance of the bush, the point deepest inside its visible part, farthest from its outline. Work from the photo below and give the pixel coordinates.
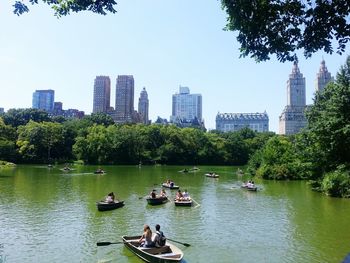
(337, 183)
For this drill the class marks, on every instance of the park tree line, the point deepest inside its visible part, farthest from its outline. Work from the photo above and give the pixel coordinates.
(32, 136)
(320, 153)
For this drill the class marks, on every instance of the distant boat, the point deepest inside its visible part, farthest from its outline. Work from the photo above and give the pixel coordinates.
(170, 186)
(213, 175)
(194, 169)
(99, 171)
(157, 200)
(249, 188)
(183, 171)
(165, 254)
(66, 169)
(105, 206)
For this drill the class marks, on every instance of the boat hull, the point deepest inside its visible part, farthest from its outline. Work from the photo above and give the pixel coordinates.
(104, 206)
(253, 189)
(183, 203)
(157, 200)
(212, 175)
(170, 187)
(166, 254)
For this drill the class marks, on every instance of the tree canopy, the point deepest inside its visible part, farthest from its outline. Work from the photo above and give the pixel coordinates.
(265, 28)
(282, 27)
(65, 7)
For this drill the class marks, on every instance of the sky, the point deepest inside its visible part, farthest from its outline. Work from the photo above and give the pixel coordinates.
(162, 43)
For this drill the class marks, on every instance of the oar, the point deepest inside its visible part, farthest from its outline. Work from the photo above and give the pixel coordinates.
(185, 244)
(100, 244)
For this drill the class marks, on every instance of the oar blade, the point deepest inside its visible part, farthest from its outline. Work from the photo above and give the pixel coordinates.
(184, 244)
(100, 244)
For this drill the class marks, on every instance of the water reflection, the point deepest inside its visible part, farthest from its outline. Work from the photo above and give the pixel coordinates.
(50, 216)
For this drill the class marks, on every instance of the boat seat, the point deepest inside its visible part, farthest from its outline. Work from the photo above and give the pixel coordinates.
(157, 250)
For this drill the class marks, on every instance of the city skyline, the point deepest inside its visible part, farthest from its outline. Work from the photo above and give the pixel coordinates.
(66, 54)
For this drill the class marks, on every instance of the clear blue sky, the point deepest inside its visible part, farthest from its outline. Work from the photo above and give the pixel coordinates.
(162, 43)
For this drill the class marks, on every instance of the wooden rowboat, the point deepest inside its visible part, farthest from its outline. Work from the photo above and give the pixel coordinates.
(183, 202)
(249, 188)
(166, 254)
(169, 186)
(105, 206)
(157, 201)
(212, 175)
(99, 172)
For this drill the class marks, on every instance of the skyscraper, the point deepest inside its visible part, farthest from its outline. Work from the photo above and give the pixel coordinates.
(124, 99)
(102, 94)
(143, 106)
(43, 99)
(323, 77)
(186, 106)
(292, 119)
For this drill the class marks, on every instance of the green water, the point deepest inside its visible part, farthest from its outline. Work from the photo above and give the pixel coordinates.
(47, 215)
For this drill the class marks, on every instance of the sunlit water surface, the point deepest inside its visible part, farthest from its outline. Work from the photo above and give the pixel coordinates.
(47, 215)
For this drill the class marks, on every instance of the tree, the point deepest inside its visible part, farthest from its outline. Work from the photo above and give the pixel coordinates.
(279, 27)
(282, 27)
(65, 7)
(17, 117)
(40, 142)
(329, 120)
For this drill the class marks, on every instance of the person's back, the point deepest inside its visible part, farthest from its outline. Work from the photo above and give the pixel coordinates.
(153, 194)
(159, 238)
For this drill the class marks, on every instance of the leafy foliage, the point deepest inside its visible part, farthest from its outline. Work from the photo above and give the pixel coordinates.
(17, 117)
(337, 183)
(329, 120)
(65, 7)
(283, 27)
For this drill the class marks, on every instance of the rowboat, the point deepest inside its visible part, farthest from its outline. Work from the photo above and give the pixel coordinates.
(165, 254)
(249, 188)
(105, 206)
(187, 202)
(157, 200)
(99, 172)
(169, 186)
(66, 169)
(212, 175)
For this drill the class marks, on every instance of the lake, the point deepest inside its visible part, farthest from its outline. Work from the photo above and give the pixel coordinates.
(47, 215)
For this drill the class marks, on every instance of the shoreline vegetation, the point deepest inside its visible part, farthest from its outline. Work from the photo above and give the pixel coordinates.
(4, 164)
(320, 153)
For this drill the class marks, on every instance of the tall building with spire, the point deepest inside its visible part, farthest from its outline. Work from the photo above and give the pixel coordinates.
(293, 119)
(143, 106)
(323, 77)
(124, 99)
(102, 94)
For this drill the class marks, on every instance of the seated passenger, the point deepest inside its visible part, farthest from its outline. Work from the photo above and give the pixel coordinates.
(110, 198)
(186, 195)
(146, 238)
(179, 196)
(162, 193)
(153, 194)
(159, 238)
